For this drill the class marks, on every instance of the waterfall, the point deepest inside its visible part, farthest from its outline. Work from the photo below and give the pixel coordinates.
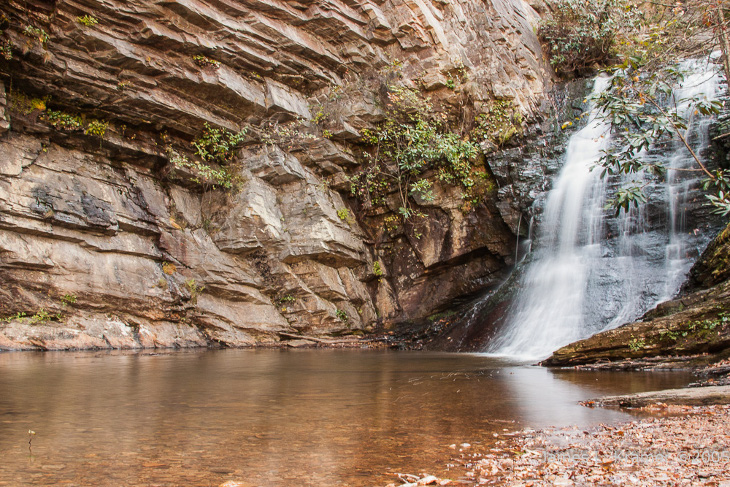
(591, 271)
(700, 83)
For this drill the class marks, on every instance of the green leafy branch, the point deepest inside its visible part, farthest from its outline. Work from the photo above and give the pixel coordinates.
(638, 107)
(218, 144)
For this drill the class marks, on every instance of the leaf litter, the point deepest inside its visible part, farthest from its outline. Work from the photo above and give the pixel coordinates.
(677, 445)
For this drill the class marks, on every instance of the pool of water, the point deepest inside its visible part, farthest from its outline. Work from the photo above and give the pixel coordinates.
(275, 417)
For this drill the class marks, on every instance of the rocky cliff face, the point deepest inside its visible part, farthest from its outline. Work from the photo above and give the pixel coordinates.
(108, 240)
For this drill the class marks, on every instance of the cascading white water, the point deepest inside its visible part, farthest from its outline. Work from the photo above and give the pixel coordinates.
(590, 274)
(549, 310)
(700, 83)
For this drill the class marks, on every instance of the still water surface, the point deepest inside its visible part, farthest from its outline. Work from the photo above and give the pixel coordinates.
(270, 417)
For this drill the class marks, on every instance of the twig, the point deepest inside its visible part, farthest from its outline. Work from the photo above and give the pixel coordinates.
(683, 139)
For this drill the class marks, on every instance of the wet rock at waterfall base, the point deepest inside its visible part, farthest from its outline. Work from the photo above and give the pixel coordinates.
(695, 326)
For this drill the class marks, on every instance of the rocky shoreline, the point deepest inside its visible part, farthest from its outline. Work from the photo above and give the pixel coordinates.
(677, 445)
(680, 440)
(683, 440)
(41, 339)
(697, 396)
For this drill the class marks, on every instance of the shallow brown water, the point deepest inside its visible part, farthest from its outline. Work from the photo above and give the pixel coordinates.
(270, 418)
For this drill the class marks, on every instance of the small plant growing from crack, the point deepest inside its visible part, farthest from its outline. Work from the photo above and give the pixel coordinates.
(345, 215)
(194, 289)
(636, 344)
(205, 61)
(169, 268)
(87, 20)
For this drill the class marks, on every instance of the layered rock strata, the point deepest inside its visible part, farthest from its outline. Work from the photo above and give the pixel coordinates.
(105, 242)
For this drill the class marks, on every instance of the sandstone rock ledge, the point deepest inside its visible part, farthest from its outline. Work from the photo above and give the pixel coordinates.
(700, 396)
